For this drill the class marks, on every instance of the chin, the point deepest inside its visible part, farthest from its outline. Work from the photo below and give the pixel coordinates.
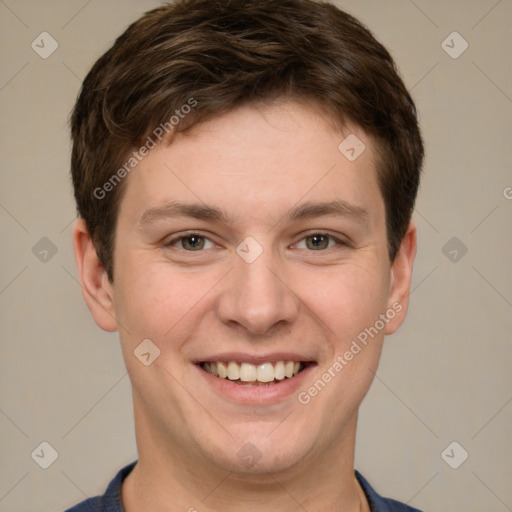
(260, 454)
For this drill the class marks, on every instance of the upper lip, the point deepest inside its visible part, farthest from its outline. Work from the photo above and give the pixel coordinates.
(244, 357)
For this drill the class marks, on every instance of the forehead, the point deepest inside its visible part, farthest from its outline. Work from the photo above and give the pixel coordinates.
(259, 161)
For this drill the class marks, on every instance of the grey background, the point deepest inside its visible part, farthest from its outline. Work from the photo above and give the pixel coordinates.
(444, 377)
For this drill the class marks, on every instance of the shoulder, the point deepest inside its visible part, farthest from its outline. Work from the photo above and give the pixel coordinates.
(380, 504)
(111, 500)
(89, 505)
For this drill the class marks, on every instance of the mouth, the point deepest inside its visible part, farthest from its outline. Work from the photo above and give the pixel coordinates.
(254, 379)
(248, 374)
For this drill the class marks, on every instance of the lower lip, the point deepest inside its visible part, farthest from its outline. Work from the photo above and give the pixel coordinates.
(256, 394)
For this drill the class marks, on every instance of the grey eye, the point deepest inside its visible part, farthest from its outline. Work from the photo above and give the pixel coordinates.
(192, 242)
(317, 242)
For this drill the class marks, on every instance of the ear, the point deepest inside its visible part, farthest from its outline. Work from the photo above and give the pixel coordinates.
(401, 277)
(96, 288)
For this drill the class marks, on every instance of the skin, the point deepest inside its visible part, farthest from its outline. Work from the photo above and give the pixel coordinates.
(254, 163)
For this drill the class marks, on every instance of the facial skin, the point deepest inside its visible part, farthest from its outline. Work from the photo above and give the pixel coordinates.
(255, 164)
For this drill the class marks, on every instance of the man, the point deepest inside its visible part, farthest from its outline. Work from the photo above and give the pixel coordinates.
(245, 173)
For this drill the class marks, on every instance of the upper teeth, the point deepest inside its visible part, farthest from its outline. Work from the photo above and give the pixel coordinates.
(247, 372)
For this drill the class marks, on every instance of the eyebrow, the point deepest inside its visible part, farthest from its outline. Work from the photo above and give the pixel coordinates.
(177, 209)
(338, 208)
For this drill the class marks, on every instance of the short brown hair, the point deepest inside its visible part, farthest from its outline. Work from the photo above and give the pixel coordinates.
(225, 53)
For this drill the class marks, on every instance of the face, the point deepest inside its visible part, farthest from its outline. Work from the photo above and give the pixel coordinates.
(252, 246)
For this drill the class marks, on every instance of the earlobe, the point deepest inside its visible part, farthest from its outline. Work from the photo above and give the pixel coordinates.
(401, 278)
(96, 288)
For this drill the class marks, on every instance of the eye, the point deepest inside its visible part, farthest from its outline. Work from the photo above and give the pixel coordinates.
(191, 242)
(319, 242)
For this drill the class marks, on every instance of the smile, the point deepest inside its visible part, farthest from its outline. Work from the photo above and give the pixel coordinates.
(249, 374)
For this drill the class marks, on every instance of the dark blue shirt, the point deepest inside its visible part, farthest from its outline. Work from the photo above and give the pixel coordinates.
(111, 500)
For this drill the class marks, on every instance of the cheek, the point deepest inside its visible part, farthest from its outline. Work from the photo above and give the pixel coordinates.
(348, 303)
(347, 299)
(140, 306)
(160, 302)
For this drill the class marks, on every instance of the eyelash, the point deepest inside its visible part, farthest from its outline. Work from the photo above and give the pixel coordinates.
(339, 242)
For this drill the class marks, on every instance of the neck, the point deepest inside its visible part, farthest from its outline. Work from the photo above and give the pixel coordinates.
(169, 478)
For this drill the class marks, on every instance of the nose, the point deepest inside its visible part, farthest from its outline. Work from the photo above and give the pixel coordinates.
(257, 297)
